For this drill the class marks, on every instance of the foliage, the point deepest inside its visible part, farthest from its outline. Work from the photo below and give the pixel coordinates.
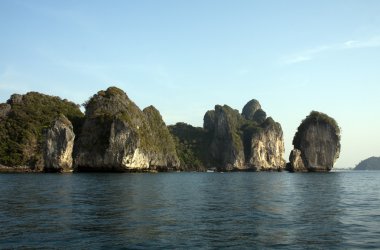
(21, 131)
(160, 139)
(192, 145)
(102, 96)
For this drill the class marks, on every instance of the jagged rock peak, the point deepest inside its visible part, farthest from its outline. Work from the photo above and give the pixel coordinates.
(252, 111)
(59, 146)
(318, 140)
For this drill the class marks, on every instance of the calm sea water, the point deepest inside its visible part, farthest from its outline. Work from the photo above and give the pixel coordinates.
(190, 210)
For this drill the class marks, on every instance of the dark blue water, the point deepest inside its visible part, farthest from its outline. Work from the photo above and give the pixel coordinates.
(190, 210)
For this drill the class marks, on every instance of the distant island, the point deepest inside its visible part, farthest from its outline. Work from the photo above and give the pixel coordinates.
(42, 133)
(372, 163)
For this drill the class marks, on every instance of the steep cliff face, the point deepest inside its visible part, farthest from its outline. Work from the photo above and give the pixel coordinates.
(59, 143)
(118, 136)
(247, 141)
(22, 122)
(267, 147)
(318, 140)
(226, 145)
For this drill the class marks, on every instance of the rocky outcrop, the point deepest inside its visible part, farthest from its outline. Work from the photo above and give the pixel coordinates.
(267, 147)
(252, 111)
(115, 135)
(372, 163)
(226, 146)
(316, 144)
(234, 141)
(22, 122)
(295, 162)
(118, 136)
(59, 145)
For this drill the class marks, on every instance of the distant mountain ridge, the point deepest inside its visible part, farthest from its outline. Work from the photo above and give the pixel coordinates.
(372, 163)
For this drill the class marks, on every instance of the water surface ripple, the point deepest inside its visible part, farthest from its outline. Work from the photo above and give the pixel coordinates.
(191, 210)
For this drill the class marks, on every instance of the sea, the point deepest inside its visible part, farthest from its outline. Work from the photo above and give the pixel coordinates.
(242, 210)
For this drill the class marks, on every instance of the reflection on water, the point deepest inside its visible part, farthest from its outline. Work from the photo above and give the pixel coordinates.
(197, 210)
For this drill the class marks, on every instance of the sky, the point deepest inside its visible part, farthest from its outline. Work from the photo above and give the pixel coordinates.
(184, 57)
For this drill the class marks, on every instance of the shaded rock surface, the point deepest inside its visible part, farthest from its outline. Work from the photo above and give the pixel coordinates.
(226, 146)
(318, 141)
(118, 136)
(372, 163)
(59, 145)
(295, 162)
(233, 141)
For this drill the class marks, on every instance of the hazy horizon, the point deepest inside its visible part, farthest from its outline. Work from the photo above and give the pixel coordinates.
(186, 57)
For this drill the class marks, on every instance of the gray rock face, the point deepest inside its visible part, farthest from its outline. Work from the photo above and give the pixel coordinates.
(318, 140)
(296, 162)
(238, 143)
(227, 146)
(250, 109)
(267, 147)
(59, 146)
(209, 120)
(118, 136)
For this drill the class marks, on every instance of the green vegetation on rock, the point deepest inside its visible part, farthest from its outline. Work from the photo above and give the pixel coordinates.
(122, 137)
(21, 130)
(315, 117)
(192, 145)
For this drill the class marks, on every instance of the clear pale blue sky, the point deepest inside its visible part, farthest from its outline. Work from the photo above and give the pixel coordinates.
(186, 56)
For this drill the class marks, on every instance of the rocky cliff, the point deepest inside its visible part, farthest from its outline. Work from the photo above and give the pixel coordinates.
(316, 144)
(267, 147)
(226, 146)
(59, 143)
(118, 136)
(233, 141)
(22, 122)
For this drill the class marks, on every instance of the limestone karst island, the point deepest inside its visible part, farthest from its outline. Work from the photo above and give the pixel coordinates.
(41, 133)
